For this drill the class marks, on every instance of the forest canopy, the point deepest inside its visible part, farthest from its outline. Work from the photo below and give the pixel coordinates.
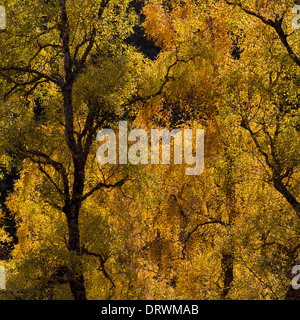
(72, 227)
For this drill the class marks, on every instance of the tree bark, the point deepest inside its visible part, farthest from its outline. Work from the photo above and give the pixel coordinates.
(74, 246)
(76, 282)
(72, 207)
(227, 263)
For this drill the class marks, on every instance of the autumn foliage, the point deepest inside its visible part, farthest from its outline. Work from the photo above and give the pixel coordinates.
(90, 231)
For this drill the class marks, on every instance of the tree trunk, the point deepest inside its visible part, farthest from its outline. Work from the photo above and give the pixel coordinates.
(77, 280)
(73, 205)
(227, 263)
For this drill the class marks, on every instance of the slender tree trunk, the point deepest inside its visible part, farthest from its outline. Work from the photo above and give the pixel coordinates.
(227, 263)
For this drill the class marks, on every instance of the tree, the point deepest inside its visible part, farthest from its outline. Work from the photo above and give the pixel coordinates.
(58, 55)
(270, 112)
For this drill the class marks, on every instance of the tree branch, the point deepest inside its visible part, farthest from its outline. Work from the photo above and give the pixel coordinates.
(55, 165)
(49, 178)
(103, 5)
(188, 236)
(39, 74)
(104, 185)
(102, 264)
(167, 78)
(276, 25)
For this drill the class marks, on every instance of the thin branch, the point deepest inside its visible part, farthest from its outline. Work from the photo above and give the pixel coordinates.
(102, 264)
(50, 179)
(104, 185)
(91, 129)
(188, 236)
(40, 75)
(41, 47)
(80, 65)
(167, 78)
(245, 125)
(55, 165)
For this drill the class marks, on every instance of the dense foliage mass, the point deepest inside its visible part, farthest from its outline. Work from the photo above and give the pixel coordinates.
(74, 229)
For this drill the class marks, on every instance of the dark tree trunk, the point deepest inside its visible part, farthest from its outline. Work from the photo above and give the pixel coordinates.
(227, 262)
(72, 213)
(227, 267)
(76, 282)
